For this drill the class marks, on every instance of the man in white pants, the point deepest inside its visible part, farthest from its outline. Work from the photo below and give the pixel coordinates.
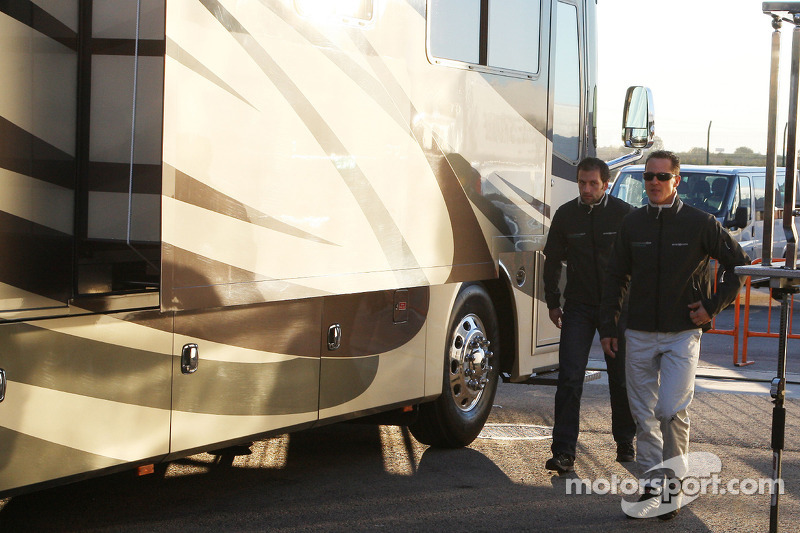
(661, 256)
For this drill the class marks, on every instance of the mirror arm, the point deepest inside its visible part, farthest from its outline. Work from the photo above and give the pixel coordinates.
(625, 159)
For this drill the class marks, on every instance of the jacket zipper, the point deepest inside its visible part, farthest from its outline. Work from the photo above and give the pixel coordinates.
(594, 252)
(658, 269)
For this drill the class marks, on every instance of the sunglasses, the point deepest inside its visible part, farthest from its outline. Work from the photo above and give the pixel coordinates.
(662, 176)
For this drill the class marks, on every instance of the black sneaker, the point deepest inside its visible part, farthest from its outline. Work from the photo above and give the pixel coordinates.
(626, 453)
(561, 462)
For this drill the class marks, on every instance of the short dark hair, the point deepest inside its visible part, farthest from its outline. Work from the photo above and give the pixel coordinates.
(666, 154)
(592, 163)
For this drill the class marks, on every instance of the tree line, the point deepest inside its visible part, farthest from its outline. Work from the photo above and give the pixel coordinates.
(741, 156)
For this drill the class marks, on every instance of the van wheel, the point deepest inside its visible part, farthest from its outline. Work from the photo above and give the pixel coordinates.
(470, 374)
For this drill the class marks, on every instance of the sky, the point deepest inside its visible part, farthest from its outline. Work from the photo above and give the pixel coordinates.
(704, 60)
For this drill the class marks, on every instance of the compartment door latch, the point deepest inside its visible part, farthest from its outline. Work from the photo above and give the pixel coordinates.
(190, 357)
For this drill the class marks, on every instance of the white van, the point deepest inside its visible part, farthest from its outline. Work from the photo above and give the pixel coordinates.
(734, 195)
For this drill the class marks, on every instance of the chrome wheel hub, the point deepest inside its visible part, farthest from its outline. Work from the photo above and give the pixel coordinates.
(469, 362)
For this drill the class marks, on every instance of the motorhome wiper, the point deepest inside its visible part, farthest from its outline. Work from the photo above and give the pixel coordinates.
(624, 159)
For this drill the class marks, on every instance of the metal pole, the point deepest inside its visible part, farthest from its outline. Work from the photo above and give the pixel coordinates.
(783, 285)
(708, 142)
(778, 392)
(791, 150)
(772, 119)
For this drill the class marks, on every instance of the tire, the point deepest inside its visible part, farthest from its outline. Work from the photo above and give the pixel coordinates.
(470, 374)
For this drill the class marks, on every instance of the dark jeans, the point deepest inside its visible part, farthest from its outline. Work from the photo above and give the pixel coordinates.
(578, 326)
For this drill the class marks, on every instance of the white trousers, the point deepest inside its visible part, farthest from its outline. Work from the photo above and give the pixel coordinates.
(660, 371)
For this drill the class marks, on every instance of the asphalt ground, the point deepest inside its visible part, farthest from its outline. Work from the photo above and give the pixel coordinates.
(352, 477)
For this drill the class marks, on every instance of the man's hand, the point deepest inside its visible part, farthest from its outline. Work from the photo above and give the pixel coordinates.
(610, 346)
(555, 316)
(698, 314)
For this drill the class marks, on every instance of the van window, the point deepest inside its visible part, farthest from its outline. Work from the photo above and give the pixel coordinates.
(759, 182)
(719, 188)
(695, 190)
(779, 195)
(629, 187)
(709, 192)
(742, 196)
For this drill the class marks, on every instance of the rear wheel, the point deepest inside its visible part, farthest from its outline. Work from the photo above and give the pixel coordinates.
(470, 374)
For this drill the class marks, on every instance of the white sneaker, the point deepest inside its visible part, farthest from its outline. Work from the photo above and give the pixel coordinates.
(647, 506)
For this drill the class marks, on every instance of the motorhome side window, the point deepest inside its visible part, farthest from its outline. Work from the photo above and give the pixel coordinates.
(504, 36)
(514, 35)
(567, 108)
(119, 180)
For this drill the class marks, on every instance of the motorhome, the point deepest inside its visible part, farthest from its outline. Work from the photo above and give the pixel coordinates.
(229, 219)
(734, 195)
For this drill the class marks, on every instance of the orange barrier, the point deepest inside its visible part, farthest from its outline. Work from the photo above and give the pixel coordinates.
(735, 331)
(747, 333)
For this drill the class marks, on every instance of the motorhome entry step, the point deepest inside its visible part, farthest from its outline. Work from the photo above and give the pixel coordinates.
(550, 378)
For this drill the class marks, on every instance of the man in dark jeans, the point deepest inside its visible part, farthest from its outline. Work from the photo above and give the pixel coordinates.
(583, 233)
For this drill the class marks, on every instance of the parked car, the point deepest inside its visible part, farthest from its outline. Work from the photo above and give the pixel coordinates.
(734, 195)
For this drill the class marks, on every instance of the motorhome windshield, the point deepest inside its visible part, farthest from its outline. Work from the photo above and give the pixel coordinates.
(704, 191)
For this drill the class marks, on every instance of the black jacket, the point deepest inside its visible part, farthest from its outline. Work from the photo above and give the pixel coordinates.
(662, 254)
(583, 236)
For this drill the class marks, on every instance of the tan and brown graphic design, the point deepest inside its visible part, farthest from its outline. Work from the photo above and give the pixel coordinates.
(298, 190)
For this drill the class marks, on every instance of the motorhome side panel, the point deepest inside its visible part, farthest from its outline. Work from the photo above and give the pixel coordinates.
(325, 185)
(505, 142)
(258, 369)
(301, 177)
(393, 155)
(84, 394)
(449, 139)
(270, 366)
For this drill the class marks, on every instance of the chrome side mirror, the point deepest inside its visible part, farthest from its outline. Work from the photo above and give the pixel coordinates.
(638, 122)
